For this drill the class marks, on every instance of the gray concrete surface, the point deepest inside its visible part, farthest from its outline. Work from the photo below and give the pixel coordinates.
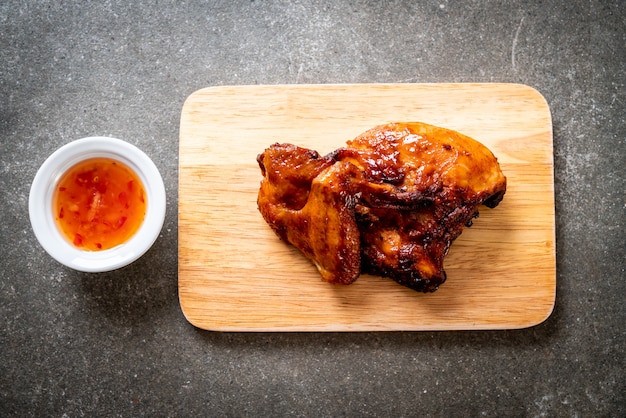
(116, 344)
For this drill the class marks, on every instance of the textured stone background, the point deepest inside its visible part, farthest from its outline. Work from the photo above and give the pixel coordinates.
(117, 344)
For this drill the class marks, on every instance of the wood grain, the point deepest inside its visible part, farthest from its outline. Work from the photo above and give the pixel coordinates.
(236, 275)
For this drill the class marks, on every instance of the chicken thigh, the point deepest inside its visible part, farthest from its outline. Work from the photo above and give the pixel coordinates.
(390, 203)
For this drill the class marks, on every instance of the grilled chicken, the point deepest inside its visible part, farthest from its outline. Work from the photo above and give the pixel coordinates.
(390, 203)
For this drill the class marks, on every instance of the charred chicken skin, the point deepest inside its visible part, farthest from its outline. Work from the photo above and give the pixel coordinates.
(390, 203)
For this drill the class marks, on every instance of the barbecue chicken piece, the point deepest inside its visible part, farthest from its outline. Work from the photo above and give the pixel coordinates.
(390, 203)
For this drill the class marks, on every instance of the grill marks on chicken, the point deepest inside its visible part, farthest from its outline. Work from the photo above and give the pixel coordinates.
(390, 203)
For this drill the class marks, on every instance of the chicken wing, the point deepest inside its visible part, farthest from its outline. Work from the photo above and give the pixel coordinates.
(390, 203)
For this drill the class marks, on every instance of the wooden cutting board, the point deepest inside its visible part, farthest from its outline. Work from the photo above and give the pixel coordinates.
(236, 275)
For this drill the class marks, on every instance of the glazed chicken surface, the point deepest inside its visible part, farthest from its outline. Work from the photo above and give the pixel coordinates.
(390, 203)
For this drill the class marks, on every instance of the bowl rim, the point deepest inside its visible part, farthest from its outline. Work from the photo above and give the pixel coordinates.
(42, 217)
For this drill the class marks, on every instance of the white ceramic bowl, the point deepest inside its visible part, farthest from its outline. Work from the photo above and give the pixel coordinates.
(41, 213)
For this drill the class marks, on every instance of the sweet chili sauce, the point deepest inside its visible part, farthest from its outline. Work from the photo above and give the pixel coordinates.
(99, 203)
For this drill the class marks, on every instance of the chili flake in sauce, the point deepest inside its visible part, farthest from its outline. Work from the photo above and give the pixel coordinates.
(99, 203)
